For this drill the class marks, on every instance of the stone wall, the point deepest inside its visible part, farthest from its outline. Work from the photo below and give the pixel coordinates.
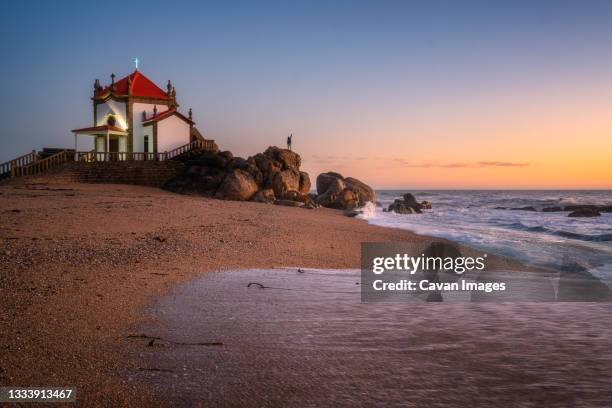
(146, 173)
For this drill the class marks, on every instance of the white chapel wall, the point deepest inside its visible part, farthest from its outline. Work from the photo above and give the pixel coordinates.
(171, 133)
(139, 131)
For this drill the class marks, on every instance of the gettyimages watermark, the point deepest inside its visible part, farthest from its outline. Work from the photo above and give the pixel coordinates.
(441, 272)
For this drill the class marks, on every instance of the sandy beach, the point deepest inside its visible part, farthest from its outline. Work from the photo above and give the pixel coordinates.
(80, 261)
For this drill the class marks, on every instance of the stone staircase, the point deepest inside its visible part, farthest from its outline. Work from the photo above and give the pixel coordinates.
(152, 169)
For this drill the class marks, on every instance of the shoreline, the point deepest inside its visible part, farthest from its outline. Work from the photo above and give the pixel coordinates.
(81, 262)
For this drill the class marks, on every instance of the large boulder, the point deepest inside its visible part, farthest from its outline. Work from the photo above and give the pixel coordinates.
(284, 181)
(302, 198)
(238, 185)
(333, 189)
(324, 180)
(268, 168)
(227, 155)
(249, 166)
(287, 158)
(304, 182)
(336, 191)
(209, 159)
(210, 180)
(363, 192)
(347, 199)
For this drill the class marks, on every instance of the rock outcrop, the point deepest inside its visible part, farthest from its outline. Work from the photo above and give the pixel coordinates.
(335, 191)
(273, 176)
(408, 205)
(265, 177)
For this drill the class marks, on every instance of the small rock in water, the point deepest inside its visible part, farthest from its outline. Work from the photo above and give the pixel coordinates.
(585, 212)
(528, 208)
(552, 209)
(409, 205)
(599, 208)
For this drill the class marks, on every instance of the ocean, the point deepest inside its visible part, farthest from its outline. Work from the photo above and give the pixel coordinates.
(543, 239)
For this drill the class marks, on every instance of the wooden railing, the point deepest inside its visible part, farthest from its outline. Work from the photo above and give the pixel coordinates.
(198, 144)
(117, 156)
(84, 156)
(93, 156)
(28, 164)
(41, 166)
(7, 169)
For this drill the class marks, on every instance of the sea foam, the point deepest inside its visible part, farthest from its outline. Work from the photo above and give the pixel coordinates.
(537, 238)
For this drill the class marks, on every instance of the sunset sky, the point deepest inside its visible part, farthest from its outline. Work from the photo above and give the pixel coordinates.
(457, 94)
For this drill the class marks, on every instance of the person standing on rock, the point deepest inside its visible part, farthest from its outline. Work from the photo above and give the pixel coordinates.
(289, 141)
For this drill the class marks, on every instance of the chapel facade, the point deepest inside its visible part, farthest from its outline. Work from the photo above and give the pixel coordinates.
(134, 115)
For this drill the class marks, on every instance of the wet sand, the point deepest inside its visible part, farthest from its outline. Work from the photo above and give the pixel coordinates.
(307, 340)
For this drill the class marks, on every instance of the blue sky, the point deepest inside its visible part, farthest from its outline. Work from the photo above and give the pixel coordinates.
(354, 81)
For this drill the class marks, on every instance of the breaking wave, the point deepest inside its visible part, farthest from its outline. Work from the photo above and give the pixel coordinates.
(481, 219)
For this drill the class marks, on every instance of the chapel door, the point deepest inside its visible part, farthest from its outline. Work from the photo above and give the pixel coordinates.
(113, 148)
(113, 145)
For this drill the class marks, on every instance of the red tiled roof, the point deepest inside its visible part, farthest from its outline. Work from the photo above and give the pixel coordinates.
(103, 128)
(140, 86)
(165, 114)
